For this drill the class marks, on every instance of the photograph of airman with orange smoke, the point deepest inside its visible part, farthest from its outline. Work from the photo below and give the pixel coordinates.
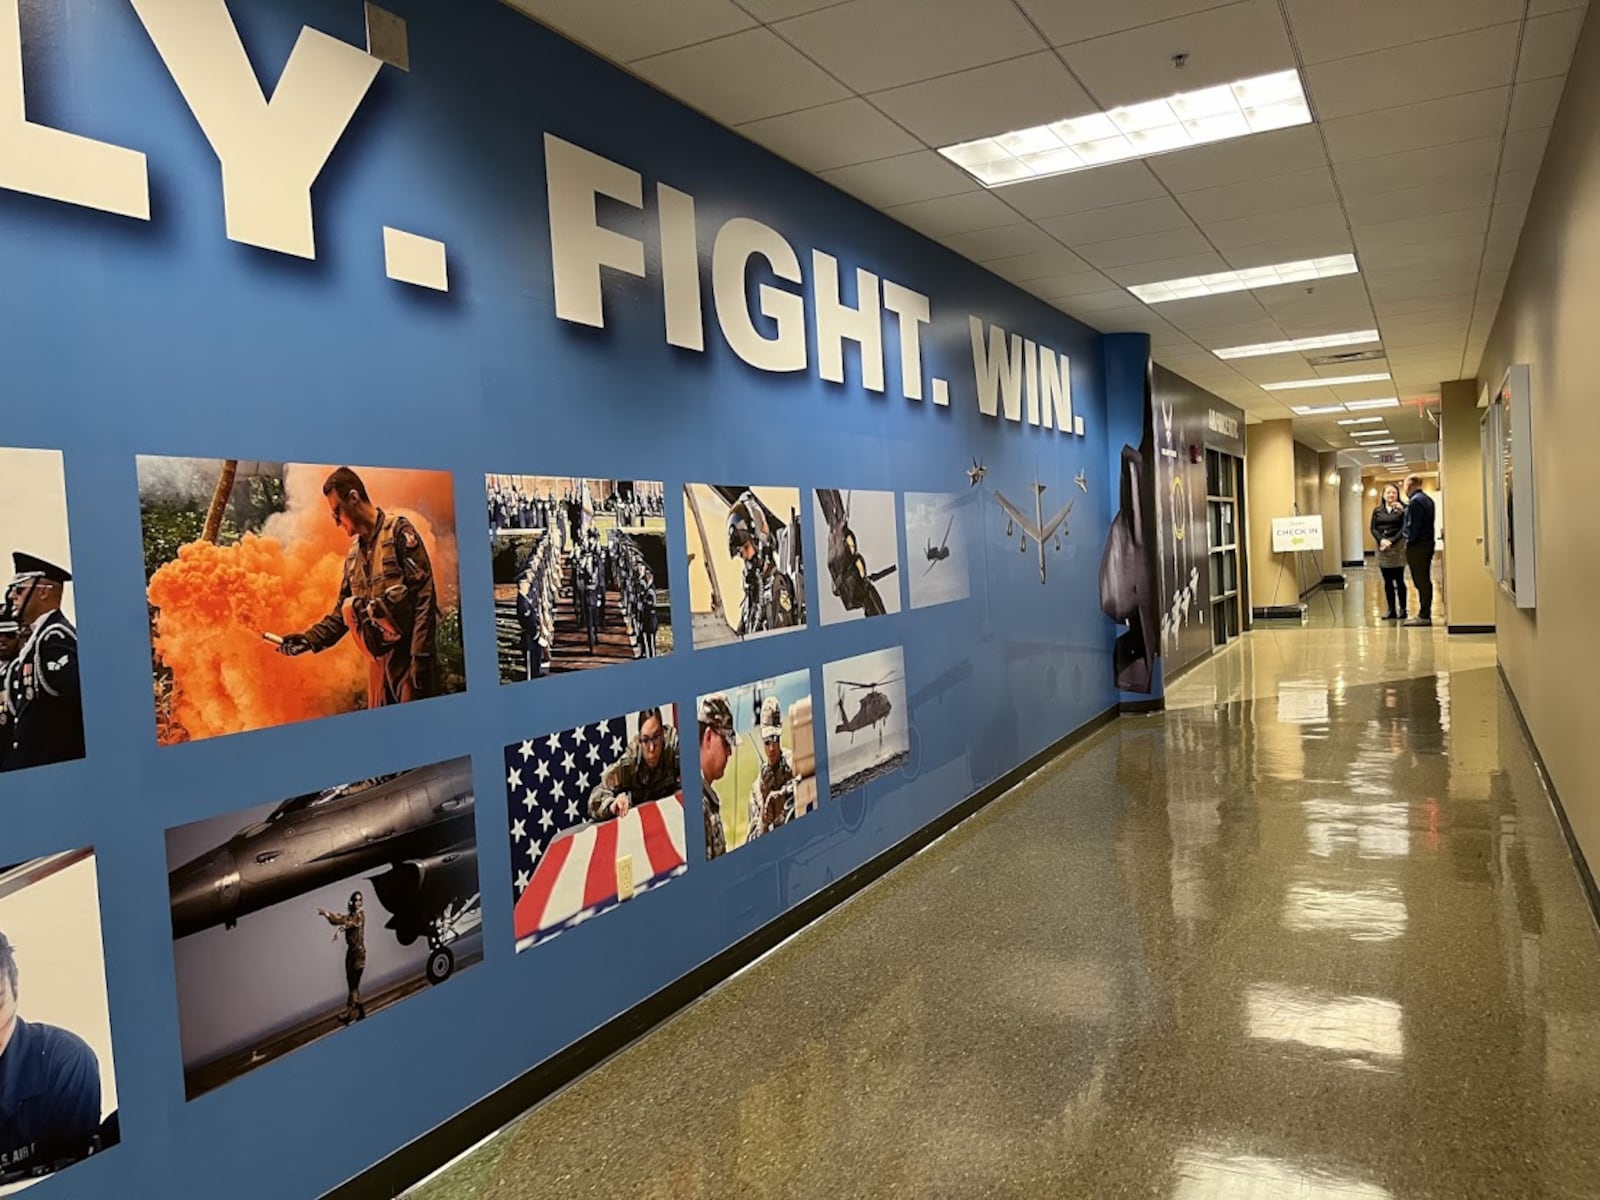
(257, 571)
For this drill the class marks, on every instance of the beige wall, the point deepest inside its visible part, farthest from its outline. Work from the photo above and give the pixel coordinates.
(1466, 581)
(1548, 318)
(1269, 492)
(1332, 511)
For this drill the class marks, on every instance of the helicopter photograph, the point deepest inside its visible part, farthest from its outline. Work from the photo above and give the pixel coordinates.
(858, 545)
(292, 921)
(869, 732)
(936, 544)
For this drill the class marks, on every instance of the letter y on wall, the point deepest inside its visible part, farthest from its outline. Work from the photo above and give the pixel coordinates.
(271, 151)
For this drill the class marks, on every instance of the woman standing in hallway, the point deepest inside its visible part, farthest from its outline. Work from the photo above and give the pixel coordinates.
(1388, 519)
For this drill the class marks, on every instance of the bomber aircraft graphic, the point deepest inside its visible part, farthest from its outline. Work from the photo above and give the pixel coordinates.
(1040, 530)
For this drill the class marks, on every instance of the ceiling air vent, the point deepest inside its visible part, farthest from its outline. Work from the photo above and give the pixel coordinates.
(1338, 360)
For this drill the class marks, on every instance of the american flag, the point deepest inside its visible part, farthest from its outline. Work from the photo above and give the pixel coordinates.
(564, 865)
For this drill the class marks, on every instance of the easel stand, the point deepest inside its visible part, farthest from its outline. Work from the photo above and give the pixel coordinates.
(1301, 589)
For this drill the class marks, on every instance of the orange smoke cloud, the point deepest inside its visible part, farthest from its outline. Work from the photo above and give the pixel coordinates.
(216, 601)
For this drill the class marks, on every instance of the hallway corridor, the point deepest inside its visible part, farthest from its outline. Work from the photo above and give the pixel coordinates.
(1313, 933)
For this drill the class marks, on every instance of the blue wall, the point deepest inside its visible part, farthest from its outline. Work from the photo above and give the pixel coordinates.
(126, 338)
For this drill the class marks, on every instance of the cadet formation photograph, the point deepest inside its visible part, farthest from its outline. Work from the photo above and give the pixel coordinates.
(580, 573)
(41, 709)
(257, 571)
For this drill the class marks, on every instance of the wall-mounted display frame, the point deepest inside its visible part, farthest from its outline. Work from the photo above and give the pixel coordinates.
(1506, 439)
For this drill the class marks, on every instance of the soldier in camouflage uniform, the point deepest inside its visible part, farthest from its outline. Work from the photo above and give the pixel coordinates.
(386, 598)
(648, 770)
(354, 924)
(768, 600)
(717, 740)
(772, 795)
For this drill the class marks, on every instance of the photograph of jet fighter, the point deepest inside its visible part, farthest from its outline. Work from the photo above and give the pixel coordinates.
(254, 895)
(859, 542)
(938, 523)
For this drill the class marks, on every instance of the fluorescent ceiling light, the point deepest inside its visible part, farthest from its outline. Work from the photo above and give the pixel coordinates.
(1370, 433)
(1354, 338)
(1214, 114)
(1361, 420)
(1386, 402)
(1329, 381)
(1222, 282)
(1377, 445)
(1315, 410)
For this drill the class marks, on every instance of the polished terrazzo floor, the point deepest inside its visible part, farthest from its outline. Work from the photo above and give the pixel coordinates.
(1312, 934)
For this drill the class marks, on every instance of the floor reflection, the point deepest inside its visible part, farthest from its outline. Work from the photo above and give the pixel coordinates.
(1314, 933)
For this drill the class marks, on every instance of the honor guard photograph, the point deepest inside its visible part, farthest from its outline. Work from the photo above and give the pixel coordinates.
(292, 921)
(858, 544)
(41, 709)
(257, 571)
(770, 778)
(580, 573)
(937, 546)
(868, 723)
(595, 815)
(58, 1090)
(746, 562)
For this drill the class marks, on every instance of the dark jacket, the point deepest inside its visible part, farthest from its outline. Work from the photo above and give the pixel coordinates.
(1386, 524)
(1418, 528)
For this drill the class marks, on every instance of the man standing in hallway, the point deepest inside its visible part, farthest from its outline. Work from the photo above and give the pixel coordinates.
(1418, 534)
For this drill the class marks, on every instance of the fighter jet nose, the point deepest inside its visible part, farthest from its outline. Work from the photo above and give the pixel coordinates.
(205, 892)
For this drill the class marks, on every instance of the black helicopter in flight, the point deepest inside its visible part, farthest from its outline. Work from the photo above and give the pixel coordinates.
(412, 834)
(937, 554)
(854, 585)
(874, 708)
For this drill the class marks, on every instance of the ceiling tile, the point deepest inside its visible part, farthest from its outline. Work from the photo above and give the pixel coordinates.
(1420, 201)
(1299, 190)
(1547, 44)
(1538, 8)
(1444, 249)
(1004, 241)
(1123, 221)
(1223, 44)
(1515, 187)
(1103, 187)
(1293, 249)
(954, 214)
(1534, 104)
(1067, 21)
(1413, 168)
(1507, 217)
(1276, 226)
(875, 44)
(624, 30)
(1055, 260)
(831, 135)
(741, 78)
(1445, 66)
(1148, 248)
(1524, 149)
(1418, 126)
(1108, 300)
(1263, 156)
(1236, 312)
(1077, 283)
(902, 179)
(778, 10)
(1326, 30)
(1205, 263)
(1031, 90)
(1372, 238)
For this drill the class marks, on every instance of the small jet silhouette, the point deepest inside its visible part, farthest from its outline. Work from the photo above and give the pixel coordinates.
(937, 554)
(975, 473)
(1082, 481)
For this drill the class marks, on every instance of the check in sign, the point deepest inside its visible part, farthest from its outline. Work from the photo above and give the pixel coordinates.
(1296, 533)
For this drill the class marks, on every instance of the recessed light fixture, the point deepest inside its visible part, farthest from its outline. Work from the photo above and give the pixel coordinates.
(1354, 338)
(1362, 421)
(1369, 433)
(1314, 410)
(1221, 282)
(1386, 402)
(1378, 445)
(1327, 381)
(1213, 114)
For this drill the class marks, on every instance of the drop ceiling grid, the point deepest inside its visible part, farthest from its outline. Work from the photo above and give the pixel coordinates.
(1431, 122)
